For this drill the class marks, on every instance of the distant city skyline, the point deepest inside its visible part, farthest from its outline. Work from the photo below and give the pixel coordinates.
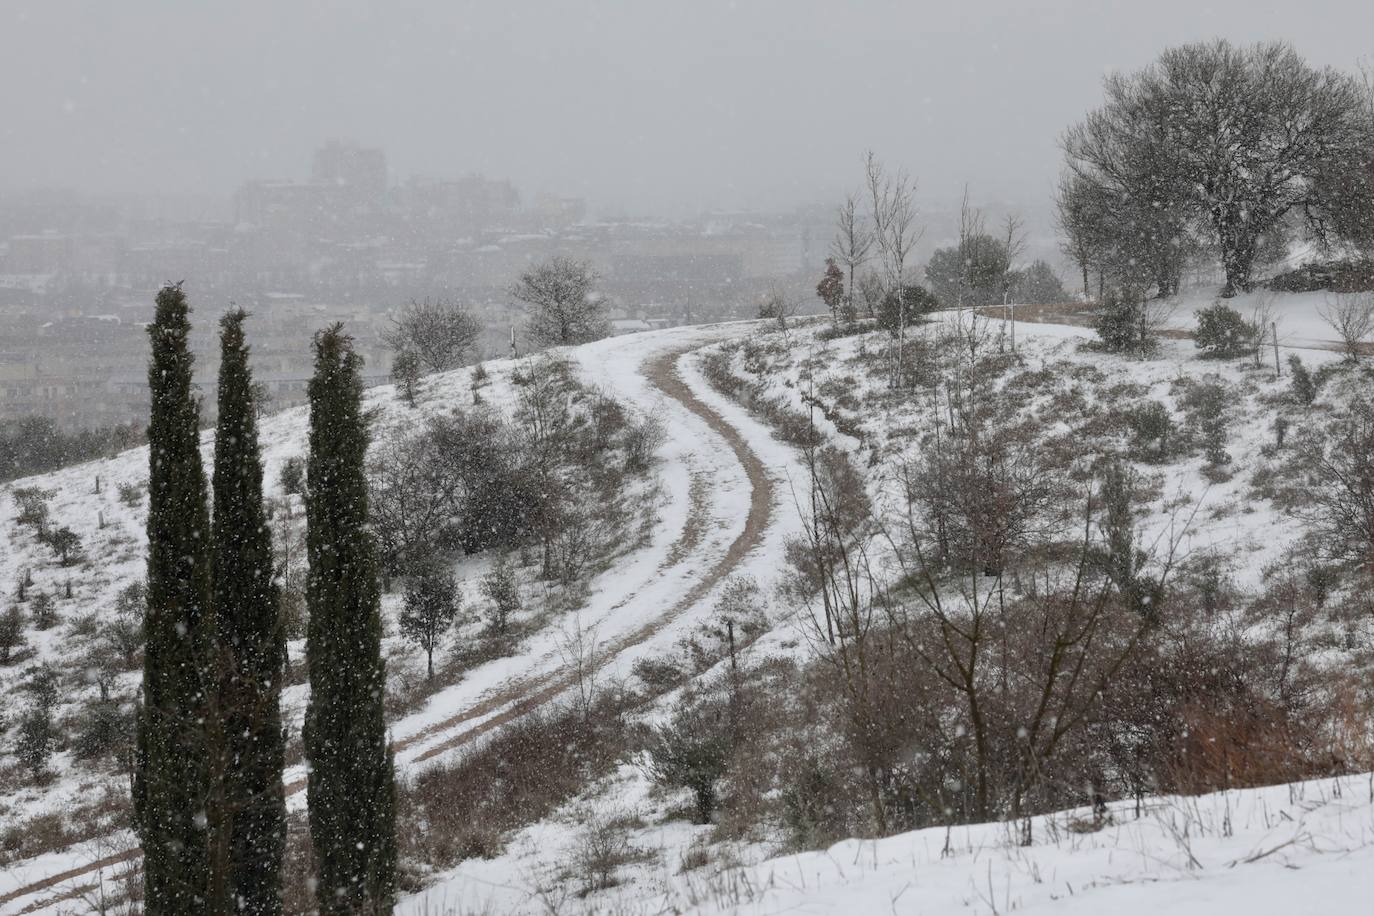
(664, 109)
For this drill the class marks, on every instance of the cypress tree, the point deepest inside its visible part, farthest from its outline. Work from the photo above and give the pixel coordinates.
(350, 787)
(250, 807)
(171, 779)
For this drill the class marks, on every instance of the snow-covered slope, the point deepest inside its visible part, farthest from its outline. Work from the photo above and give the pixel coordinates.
(1277, 851)
(726, 506)
(646, 600)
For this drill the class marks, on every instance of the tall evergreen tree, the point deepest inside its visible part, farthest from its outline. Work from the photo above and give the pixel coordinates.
(249, 810)
(350, 786)
(171, 780)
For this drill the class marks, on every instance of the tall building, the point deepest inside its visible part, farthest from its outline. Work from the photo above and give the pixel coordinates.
(348, 165)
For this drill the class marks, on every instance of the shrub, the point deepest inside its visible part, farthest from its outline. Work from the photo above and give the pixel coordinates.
(66, 543)
(32, 503)
(660, 673)
(499, 585)
(919, 303)
(1304, 386)
(103, 730)
(603, 846)
(44, 610)
(34, 743)
(292, 476)
(692, 752)
(1124, 325)
(1222, 333)
(125, 636)
(40, 682)
(1208, 404)
(130, 494)
(1338, 276)
(11, 633)
(813, 805)
(463, 809)
(1151, 423)
(642, 440)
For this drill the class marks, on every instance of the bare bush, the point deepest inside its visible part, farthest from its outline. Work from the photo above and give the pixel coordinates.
(465, 808)
(1340, 469)
(642, 440)
(1351, 317)
(563, 305)
(434, 336)
(601, 848)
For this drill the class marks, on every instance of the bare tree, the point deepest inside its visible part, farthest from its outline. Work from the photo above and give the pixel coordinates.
(777, 305)
(1076, 227)
(1263, 321)
(564, 307)
(1340, 500)
(1014, 246)
(893, 211)
(871, 292)
(583, 657)
(436, 336)
(852, 243)
(414, 492)
(1351, 316)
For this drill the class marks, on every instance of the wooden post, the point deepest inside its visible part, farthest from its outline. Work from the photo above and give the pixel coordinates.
(1278, 368)
(730, 633)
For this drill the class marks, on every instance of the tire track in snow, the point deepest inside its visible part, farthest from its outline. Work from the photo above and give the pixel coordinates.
(662, 373)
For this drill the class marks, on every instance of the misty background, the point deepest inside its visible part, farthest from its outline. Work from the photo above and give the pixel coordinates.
(331, 161)
(645, 108)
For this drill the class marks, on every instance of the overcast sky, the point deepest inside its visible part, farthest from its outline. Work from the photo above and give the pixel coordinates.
(642, 106)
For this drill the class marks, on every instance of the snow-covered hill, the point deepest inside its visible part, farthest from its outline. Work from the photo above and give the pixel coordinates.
(698, 507)
(726, 498)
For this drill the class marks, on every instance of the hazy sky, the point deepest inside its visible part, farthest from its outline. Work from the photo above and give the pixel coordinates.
(642, 106)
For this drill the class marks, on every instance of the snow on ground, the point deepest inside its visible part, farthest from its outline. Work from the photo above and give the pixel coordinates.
(622, 600)
(1189, 854)
(1298, 315)
(1312, 838)
(1205, 516)
(1301, 848)
(1273, 850)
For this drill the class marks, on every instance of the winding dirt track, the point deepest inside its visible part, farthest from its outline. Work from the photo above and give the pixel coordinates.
(523, 695)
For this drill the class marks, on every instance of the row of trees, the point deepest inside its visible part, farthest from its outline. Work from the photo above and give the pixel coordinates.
(208, 792)
(1216, 151)
(561, 301)
(979, 270)
(33, 445)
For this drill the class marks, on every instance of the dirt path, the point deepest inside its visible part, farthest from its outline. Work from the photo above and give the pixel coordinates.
(523, 695)
(662, 373)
